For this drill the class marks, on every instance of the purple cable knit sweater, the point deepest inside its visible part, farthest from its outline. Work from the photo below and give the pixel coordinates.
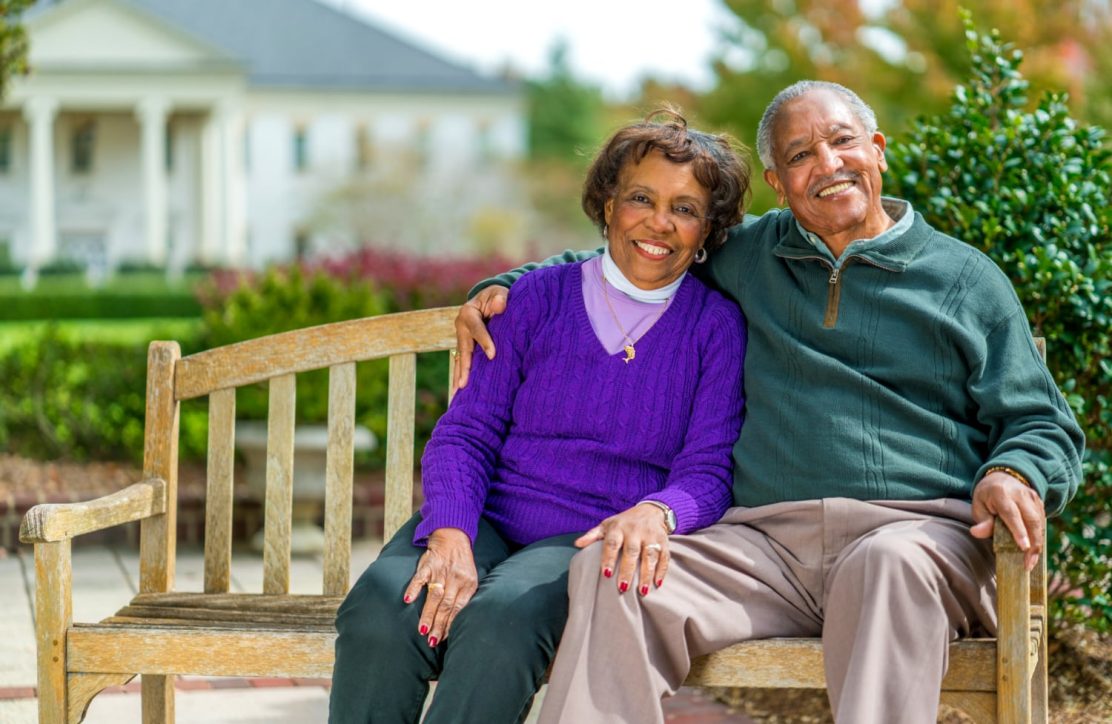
(554, 434)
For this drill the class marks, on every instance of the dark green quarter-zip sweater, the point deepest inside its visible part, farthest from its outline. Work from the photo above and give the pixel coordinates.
(901, 372)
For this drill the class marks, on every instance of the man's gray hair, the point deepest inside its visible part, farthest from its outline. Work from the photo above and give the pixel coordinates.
(858, 107)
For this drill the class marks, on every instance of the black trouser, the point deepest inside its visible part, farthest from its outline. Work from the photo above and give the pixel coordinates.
(494, 657)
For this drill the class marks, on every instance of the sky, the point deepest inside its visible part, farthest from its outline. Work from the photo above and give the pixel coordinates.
(613, 43)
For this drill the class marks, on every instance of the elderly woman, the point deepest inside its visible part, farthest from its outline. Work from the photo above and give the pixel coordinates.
(608, 415)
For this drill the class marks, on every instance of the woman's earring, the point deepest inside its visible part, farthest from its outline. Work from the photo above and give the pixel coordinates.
(701, 255)
(606, 231)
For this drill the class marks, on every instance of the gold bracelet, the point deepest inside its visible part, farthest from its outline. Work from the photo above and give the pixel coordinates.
(1010, 471)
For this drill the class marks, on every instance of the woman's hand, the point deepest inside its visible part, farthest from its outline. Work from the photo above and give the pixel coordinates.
(447, 570)
(633, 540)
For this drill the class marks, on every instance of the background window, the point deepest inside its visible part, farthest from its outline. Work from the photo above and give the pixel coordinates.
(82, 143)
(5, 149)
(364, 148)
(300, 149)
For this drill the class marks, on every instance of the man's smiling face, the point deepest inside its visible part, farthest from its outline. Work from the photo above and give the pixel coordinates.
(828, 169)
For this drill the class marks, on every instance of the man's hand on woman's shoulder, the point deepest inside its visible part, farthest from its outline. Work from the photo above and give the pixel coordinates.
(471, 328)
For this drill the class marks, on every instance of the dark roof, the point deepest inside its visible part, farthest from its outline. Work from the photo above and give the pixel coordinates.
(307, 44)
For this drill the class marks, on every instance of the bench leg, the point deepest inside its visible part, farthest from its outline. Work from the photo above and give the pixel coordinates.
(158, 699)
(53, 616)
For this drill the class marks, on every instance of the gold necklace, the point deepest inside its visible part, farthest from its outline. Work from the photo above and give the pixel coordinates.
(628, 348)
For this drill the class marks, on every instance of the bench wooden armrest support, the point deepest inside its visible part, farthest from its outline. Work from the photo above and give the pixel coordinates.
(51, 522)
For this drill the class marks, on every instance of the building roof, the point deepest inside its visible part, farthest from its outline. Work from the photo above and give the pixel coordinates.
(303, 44)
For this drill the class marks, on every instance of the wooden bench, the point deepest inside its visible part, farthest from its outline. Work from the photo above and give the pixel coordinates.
(162, 633)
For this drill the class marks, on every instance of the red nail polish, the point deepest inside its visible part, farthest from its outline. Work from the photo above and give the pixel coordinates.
(659, 582)
(644, 590)
(407, 598)
(623, 587)
(424, 629)
(607, 572)
(433, 641)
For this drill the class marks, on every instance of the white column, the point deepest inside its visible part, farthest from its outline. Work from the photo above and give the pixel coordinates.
(40, 113)
(212, 191)
(235, 186)
(152, 114)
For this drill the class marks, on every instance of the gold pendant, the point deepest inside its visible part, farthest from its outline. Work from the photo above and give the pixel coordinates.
(630, 353)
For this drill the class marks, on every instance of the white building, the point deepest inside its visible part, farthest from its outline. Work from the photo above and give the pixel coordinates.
(235, 132)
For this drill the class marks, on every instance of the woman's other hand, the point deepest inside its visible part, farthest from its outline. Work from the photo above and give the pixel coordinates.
(633, 541)
(447, 570)
(471, 328)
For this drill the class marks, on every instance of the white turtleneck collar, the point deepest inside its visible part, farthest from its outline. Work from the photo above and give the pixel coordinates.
(614, 276)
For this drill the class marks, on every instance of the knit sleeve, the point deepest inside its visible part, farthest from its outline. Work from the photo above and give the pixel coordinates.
(460, 459)
(698, 487)
(1031, 427)
(507, 279)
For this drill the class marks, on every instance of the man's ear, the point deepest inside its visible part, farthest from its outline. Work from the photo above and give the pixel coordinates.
(773, 180)
(880, 142)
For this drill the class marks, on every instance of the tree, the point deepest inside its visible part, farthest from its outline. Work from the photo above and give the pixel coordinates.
(13, 41)
(564, 113)
(1031, 188)
(904, 57)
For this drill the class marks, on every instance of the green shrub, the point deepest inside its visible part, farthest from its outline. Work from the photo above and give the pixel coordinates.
(125, 296)
(1031, 188)
(63, 397)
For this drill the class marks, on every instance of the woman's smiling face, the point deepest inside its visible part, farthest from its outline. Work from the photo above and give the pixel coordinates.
(656, 220)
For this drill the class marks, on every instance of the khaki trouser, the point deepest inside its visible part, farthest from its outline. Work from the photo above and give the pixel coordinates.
(887, 585)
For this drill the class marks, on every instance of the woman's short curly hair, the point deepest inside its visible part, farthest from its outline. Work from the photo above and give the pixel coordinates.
(719, 163)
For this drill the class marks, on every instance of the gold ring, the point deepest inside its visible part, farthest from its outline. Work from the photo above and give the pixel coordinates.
(654, 547)
(435, 585)
(454, 353)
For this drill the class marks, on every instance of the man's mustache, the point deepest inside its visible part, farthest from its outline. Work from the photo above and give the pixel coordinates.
(826, 181)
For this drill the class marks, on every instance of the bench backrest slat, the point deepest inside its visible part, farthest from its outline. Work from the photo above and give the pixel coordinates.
(278, 507)
(218, 491)
(399, 443)
(339, 468)
(312, 348)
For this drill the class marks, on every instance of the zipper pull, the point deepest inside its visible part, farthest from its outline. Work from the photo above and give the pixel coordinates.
(834, 275)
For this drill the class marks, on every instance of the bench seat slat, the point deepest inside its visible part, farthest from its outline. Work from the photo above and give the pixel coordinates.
(797, 663)
(283, 603)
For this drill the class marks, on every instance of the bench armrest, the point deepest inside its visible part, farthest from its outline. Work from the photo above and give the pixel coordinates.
(52, 522)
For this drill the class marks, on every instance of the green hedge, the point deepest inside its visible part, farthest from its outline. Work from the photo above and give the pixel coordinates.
(1031, 188)
(126, 296)
(79, 399)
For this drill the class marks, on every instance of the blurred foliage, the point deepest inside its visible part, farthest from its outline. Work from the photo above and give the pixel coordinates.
(123, 296)
(905, 56)
(564, 114)
(13, 41)
(566, 124)
(69, 396)
(1031, 189)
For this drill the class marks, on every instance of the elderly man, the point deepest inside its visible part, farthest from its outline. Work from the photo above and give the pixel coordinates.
(896, 404)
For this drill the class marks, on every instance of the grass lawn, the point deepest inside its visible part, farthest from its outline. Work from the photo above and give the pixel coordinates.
(133, 282)
(138, 331)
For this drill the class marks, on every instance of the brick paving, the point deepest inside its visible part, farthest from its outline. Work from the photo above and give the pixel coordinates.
(688, 706)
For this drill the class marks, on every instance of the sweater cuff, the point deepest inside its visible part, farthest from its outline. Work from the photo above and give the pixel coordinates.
(446, 514)
(682, 504)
